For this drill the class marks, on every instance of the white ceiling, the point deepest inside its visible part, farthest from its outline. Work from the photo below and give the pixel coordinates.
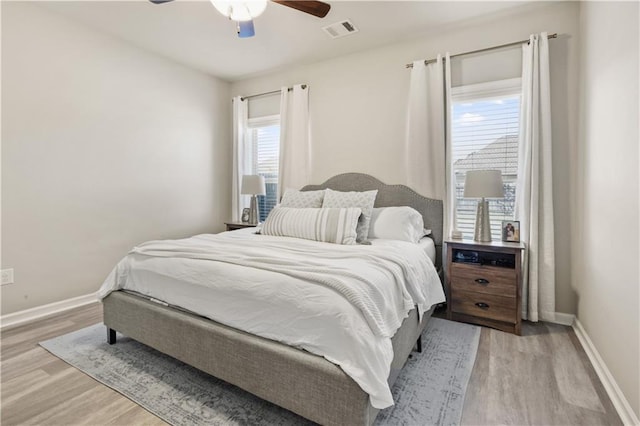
(195, 34)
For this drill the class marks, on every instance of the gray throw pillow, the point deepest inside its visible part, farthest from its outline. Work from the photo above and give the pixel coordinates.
(363, 200)
(302, 199)
(336, 226)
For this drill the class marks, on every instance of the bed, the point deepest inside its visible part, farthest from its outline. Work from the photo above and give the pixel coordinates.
(296, 379)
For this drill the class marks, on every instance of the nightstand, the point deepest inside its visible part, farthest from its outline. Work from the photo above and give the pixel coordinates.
(484, 283)
(233, 226)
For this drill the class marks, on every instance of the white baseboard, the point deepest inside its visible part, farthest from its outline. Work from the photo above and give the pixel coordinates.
(618, 399)
(564, 319)
(555, 318)
(22, 317)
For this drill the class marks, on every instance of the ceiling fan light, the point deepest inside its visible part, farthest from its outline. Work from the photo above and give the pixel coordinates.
(239, 10)
(246, 29)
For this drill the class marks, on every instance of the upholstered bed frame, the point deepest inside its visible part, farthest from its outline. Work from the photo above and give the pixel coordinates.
(292, 378)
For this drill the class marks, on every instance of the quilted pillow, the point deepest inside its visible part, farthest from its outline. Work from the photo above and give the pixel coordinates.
(397, 223)
(363, 200)
(302, 199)
(326, 225)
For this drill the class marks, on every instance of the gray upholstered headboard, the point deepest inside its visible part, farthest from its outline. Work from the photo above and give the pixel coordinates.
(392, 195)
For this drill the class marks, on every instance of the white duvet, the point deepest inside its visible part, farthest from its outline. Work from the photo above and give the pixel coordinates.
(340, 302)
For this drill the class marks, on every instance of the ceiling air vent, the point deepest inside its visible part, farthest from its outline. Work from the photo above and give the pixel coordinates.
(340, 29)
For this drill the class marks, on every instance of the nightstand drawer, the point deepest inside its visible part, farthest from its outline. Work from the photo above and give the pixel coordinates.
(499, 308)
(484, 279)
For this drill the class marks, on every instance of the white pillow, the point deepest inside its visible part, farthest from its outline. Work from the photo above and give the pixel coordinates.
(397, 223)
(302, 199)
(363, 200)
(327, 225)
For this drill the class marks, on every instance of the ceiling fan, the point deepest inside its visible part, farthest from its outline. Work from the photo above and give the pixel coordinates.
(243, 12)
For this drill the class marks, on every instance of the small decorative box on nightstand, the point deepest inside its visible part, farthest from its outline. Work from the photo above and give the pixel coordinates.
(233, 226)
(484, 283)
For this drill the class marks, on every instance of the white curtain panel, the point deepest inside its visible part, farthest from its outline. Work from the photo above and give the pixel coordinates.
(450, 202)
(295, 140)
(241, 156)
(428, 144)
(534, 191)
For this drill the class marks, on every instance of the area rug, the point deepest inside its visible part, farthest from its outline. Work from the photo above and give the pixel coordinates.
(429, 391)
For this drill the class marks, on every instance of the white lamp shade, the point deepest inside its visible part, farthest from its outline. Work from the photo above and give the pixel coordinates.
(483, 184)
(253, 185)
(239, 10)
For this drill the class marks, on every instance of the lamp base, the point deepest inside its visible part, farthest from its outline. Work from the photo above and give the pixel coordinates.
(254, 211)
(483, 224)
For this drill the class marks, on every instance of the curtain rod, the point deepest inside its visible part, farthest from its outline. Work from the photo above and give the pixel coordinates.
(273, 92)
(431, 61)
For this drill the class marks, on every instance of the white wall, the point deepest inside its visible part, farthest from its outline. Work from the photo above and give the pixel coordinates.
(103, 146)
(606, 236)
(358, 102)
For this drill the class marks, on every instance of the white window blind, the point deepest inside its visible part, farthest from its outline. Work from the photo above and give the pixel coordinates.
(485, 120)
(264, 134)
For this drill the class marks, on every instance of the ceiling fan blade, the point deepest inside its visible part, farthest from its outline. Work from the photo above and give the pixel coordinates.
(160, 1)
(315, 8)
(246, 29)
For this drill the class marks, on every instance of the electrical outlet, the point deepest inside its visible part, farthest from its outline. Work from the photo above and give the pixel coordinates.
(7, 276)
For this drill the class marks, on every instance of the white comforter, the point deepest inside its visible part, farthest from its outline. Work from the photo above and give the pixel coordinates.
(341, 302)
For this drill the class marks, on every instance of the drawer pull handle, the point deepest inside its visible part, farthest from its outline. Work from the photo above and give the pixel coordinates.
(482, 305)
(482, 281)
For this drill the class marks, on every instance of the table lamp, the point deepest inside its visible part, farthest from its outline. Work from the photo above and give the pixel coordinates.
(253, 185)
(483, 184)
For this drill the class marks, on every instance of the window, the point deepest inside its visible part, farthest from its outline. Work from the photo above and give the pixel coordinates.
(485, 121)
(264, 140)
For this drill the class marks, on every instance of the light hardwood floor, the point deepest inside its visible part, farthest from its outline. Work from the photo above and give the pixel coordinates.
(542, 377)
